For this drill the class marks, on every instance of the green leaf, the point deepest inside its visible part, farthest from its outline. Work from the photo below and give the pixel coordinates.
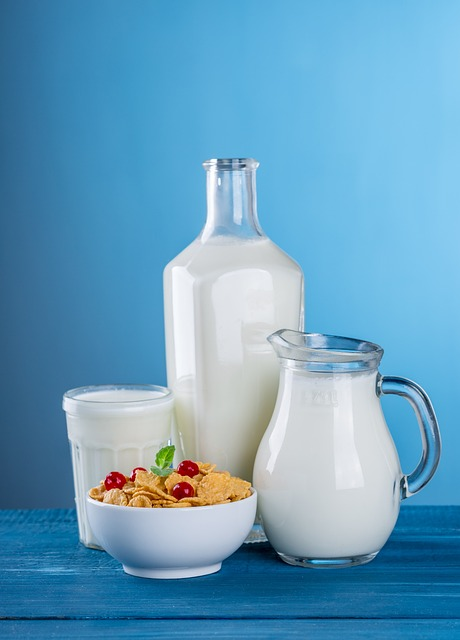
(165, 457)
(163, 461)
(161, 472)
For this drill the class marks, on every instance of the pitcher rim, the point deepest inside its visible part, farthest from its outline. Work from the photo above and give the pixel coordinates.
(328, 349)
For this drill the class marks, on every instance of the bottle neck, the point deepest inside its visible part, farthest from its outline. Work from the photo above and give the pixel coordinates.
(231, 199)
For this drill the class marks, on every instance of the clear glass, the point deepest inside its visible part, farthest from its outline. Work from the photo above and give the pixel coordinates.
(113, 428)
(327, 471)
(223, 296)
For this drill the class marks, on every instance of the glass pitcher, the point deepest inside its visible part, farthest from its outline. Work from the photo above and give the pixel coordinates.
(327, 471)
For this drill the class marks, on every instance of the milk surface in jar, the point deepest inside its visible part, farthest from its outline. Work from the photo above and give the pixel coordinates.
(224, 295)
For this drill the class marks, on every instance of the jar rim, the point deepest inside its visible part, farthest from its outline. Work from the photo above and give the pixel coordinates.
(112, 397)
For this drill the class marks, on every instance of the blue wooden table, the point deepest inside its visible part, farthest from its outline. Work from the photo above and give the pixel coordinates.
(53, 587)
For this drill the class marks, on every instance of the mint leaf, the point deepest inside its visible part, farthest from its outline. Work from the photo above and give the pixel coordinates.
(163, 461)
(161, 472)
(165, 457)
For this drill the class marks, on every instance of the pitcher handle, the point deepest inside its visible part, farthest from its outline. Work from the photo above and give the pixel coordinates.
(429, 430)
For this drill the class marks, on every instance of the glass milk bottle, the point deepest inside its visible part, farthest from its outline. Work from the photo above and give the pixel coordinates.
(224, 295)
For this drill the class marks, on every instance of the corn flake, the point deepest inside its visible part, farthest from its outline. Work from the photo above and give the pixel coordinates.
(140, 501)
(116, 496)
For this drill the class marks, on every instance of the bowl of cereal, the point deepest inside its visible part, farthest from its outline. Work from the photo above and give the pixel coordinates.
(172, 523)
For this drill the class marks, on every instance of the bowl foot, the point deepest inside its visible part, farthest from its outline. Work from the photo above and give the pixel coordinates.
(174, 573)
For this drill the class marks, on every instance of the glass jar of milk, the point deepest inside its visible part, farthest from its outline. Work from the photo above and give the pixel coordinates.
(327, 473)
(114, 427)
(223, 296)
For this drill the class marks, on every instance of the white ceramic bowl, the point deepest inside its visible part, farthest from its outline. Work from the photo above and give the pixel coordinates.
(172, 543)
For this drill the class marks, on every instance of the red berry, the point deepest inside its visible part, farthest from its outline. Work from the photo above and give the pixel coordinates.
(134, 472)
(188, 468)
(183, 490)
(114, 480)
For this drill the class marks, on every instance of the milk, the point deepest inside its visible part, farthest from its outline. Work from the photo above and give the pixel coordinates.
(223, 297)
(113, 428)
(327, 472)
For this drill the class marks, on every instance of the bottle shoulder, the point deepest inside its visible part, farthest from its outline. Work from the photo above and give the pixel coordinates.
(184, 257)
(227, 253)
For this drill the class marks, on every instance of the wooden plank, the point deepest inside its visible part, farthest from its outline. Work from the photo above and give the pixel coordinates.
(230, 629)
(46, 573)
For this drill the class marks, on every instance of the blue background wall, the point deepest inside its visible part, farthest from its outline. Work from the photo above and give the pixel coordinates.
(107, 110)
